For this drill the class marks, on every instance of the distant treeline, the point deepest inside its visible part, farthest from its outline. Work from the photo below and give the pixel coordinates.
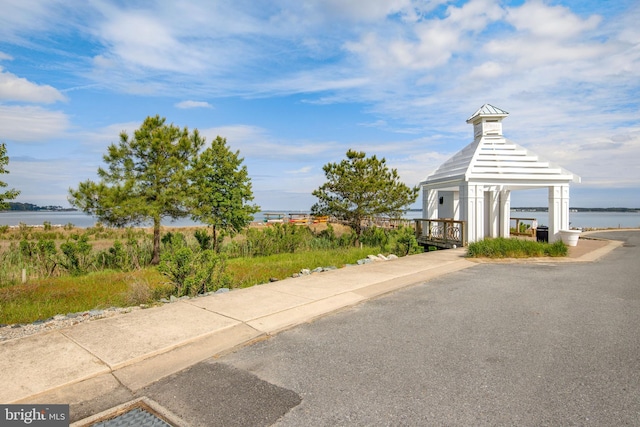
(13, 206)
(546, 209)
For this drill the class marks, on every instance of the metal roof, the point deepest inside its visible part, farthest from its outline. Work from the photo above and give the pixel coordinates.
(488, 110)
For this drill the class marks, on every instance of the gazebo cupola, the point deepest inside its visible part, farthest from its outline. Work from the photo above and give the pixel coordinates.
(487, 121)
(475, 184)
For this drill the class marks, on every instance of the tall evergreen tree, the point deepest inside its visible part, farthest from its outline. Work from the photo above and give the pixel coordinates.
(361, 187)
(221, 191)
(146, 179)
(9, 194)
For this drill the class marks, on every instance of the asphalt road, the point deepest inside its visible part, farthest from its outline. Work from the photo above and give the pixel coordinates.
(496, 344)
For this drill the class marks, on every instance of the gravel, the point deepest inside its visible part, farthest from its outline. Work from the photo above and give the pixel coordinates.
(59, 321)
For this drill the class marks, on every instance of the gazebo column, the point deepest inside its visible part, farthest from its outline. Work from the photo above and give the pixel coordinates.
(493, 200)
(430, 203)
(558, 210)
(505, 213)
(472, 210)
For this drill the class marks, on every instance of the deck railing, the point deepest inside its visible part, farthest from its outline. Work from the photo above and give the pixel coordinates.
(522, 228)
(440, 232)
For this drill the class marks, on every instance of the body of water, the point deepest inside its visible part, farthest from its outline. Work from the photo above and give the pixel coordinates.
(589, 219)
(79, 219)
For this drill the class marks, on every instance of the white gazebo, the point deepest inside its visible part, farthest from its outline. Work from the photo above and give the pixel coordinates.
(475, 184)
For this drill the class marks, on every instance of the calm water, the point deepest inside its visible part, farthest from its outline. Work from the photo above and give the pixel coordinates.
(577, 219)
(589, 219)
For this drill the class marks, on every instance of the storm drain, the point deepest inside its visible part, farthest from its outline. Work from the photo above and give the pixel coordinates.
(138, 414)
(136, 417)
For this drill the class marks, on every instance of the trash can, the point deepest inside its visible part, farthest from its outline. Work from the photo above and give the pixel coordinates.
(542, 233)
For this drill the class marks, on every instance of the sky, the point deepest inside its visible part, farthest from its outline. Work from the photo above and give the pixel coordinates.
(295, 84)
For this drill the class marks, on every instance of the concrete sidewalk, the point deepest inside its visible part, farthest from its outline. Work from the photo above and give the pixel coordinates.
(133, 350)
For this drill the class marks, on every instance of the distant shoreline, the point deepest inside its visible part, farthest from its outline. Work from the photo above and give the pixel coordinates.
(572, 209)
(29, 207)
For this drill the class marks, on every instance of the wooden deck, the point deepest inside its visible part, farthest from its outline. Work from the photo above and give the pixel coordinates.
(441, 233)
(523, 227)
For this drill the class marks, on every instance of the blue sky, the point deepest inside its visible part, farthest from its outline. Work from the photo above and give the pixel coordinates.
(294, 84)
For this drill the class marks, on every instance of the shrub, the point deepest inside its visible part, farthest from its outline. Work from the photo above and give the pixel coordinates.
(325, 239)
(514, 248)
(405, 242)
(41, 254)
(116, 257)
(203, 239)
(557, 249)
(192, 271)
(348, 240)
(76, 257)
(276, 239)
(374, 236)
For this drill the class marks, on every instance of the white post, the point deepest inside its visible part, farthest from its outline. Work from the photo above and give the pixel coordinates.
(472, 210)
(456, 205)
(430, 203)
(558, 210)
(505, 213)
(494, 213)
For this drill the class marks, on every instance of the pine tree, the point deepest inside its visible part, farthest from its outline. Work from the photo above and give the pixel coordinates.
(9, 194)
(146, 179)
(361, 187)
(221, 191)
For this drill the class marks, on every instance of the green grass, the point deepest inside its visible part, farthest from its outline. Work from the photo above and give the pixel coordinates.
(44, 298)
(515, 248)
(250, 271)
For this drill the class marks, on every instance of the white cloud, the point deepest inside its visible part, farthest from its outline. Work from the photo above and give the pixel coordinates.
(193, 104)
(14, 88)
(526, 53)
(311, 15)
(487, 70)
(47, 181)
(372, 10)
(433, 48)
(556, 22)
(474, 15)
(152, 44)
(425, 44)
(31, 124)
(19, 18)
(256, 143)
(302, 170)
(98, 140)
